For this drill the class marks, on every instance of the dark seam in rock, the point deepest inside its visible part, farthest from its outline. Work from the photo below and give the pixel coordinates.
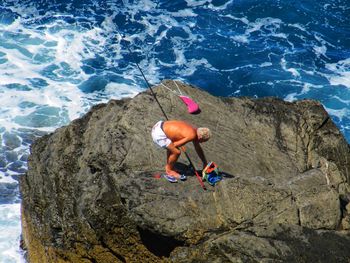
(323, 123)
(120, 257)
(159, 245)
(298, 214)
(92, 260)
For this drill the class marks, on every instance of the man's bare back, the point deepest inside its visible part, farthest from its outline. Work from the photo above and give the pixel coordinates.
(179, 132)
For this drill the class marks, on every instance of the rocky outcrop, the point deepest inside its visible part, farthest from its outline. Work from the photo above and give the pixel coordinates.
(90, 194)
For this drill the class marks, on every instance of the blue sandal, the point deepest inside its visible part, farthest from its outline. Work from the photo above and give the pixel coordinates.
(171, 179)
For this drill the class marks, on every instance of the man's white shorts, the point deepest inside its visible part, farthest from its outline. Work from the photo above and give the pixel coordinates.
(159, 136)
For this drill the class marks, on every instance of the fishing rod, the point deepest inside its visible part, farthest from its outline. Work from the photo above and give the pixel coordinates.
(144, 77)
(161, 108)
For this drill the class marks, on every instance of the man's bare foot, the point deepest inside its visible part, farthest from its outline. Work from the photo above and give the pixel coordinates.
(173, 173)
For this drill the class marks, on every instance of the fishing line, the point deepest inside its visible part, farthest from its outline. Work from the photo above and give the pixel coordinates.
(160, 106)
(147, 83)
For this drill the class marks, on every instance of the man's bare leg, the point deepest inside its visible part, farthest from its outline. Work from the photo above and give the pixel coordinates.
(172, 155)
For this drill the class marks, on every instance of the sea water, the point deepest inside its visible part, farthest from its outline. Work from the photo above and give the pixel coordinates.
(10, 231)
(60, 57)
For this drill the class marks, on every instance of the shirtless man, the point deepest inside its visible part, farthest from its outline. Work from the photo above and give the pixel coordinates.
(172, 135)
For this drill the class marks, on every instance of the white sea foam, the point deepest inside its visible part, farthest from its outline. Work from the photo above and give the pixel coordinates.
(265, 26)
(22, 10)
(345, 101)
(291, 97)
(339, 113)
(280, 35)
(10, 230)
(341, 73)
(266, 64)
(293, 71)
(192, 65)
(242, 19)
(306, 87)
(195, 3)
(264, 23)
(323, 42)
(123, 90)
(184, 13)
(320, 50)
(48, 96)
(157, 25)
(221, 7)
(70, 46)
(298, 26)
(241, 39)
(342, 79)
(14, 25)
(6, 179)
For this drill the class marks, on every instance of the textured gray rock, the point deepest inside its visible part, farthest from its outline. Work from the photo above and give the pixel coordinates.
(90, 194)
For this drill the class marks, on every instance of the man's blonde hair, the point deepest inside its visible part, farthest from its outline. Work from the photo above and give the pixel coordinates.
(204, 133)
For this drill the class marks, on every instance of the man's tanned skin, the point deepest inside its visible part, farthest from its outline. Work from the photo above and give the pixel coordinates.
(180, 133)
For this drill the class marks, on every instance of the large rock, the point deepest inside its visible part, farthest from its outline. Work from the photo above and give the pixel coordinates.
(90, 194)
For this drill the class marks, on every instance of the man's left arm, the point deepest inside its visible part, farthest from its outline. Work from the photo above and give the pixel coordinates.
(200, 152)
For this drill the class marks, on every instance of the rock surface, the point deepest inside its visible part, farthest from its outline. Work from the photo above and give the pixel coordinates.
(90, 194)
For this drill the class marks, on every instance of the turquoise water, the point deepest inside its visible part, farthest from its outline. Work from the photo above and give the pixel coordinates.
(58, 58)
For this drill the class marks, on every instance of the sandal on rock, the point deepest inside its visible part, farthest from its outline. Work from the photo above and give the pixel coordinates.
(183, 177)
(170, 178)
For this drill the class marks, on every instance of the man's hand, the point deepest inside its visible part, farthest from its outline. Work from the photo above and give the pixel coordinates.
(183, 148)
(204, 165)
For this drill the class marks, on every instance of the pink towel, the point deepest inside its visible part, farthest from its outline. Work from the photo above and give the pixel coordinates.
(192, 107)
